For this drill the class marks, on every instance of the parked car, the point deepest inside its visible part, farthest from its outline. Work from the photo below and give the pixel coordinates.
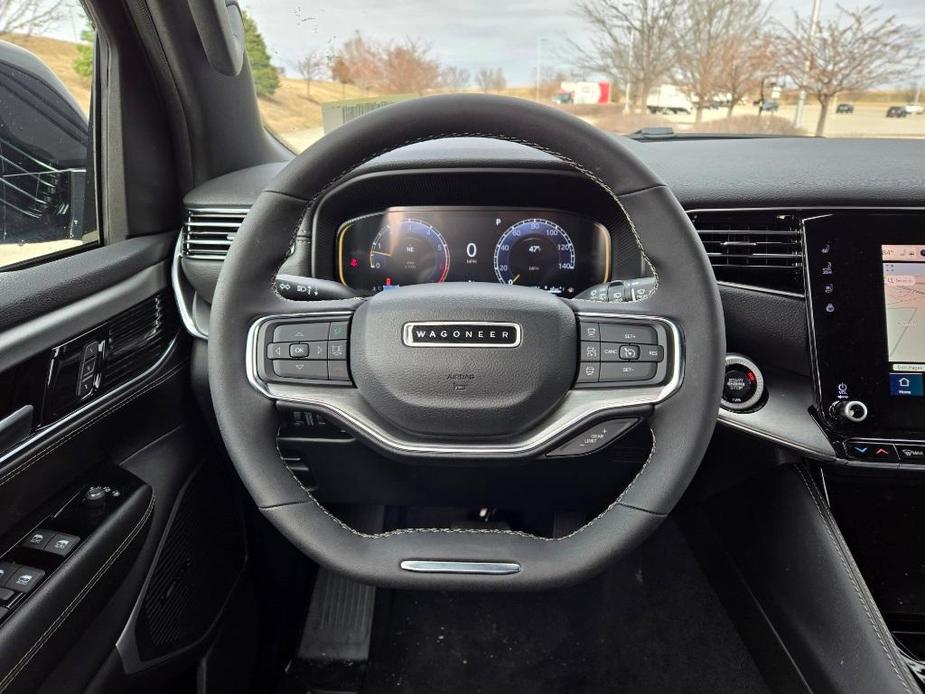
(915, 108)
(769, 105)
(563, 98)
(844, 108)
(897, 112)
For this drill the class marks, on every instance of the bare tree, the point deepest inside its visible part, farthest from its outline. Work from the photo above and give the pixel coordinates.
(746, 60)
(310, 67)
(632, 41)
(359, 62)
(29, 16)
(490, 79)
(858, 49)
(711, 37)
(455, 78)
(408, 67)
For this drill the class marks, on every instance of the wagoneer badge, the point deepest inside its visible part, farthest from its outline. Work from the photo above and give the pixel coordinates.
(461, 334)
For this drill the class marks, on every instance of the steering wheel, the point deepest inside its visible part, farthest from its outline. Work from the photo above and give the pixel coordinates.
(457, 371)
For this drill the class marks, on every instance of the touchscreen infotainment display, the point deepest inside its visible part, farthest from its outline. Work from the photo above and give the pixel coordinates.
(904, 301)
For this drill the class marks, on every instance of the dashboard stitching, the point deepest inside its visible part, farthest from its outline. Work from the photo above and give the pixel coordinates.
(466, 531)
(854, 582)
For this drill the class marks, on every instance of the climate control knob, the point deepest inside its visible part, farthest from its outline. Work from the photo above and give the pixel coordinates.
(849, 410)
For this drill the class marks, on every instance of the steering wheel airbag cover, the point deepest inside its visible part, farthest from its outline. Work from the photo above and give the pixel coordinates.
(686, 294)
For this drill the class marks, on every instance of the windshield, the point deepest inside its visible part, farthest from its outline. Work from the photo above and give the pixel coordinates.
(666, 67)
(662, 68)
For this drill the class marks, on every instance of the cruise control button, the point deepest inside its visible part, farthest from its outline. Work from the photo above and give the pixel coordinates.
(62, 544)
(277, 350)
(338, 331)
(300, 369)
(337, 371)
(911, 452)
(610, 351)
(627, 332)
(301, 332)
(654, 353)
(588, 372)
(629, 352)
(337, 350)
(24, 579)
(589, 331)
(627, 371)
(590, 351)
(594, 439)
(38, 539)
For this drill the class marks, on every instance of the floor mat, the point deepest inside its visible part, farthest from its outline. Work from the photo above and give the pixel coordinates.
(650, 624)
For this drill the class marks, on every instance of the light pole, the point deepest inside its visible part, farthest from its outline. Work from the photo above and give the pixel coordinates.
(539, 65)
(801, 100)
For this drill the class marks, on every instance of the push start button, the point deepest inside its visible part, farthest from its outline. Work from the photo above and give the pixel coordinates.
(743, 384)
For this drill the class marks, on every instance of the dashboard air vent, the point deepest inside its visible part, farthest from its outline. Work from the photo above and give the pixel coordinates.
(209, 232)
(754, 248)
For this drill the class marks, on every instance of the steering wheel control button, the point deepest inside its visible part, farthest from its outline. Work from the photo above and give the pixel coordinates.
(337, 350)
(627, 332)
(301, 369)
(24, 579)
(629, 352)
(743, 384)
(589, 372)
(298, 351)
(338, 330)
(655, 353)
(590, 351)
(301, 332)
(62, 544)
(627, 372)
(38, 539)
(593, 439)
(337, 371)
(589, 331)
(277, 350)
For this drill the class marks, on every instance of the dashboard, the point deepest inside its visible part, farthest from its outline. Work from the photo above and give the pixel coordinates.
(558, 251)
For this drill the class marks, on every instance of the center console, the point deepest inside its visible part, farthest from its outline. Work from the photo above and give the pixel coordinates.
(866, 297)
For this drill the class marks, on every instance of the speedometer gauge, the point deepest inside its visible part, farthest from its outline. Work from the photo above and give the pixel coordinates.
(409, 252)
(534, 253)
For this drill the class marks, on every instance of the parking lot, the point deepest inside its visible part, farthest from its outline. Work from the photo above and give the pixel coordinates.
(868, 120)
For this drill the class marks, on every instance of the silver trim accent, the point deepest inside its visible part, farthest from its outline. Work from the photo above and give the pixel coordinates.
(576, 408)
(407, 336)
(732, 359)
(183, 299)
(487, 568)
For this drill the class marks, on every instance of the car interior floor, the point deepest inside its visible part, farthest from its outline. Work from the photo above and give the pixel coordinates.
(649, 623)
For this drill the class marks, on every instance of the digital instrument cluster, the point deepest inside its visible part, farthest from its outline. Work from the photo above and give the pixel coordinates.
(560, 252)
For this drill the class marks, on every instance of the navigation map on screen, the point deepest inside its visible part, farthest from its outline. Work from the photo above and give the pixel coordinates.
(904, 297)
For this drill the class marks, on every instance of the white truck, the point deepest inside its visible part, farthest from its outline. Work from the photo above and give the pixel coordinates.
(668, 98)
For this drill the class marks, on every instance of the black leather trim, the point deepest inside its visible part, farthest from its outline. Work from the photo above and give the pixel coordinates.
(71, 595)
(682, 426)
(787, 545)
(37, 290)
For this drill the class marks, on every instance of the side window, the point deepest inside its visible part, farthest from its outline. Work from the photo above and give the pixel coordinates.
(47, 199)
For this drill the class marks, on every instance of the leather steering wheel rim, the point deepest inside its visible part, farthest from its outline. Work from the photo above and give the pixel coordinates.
(686, 294)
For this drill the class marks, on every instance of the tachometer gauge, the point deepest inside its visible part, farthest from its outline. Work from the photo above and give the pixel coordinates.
(534, 253)
(409, 252)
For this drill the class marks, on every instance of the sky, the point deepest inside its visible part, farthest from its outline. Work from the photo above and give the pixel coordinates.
(468, 33)
(471, 34)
